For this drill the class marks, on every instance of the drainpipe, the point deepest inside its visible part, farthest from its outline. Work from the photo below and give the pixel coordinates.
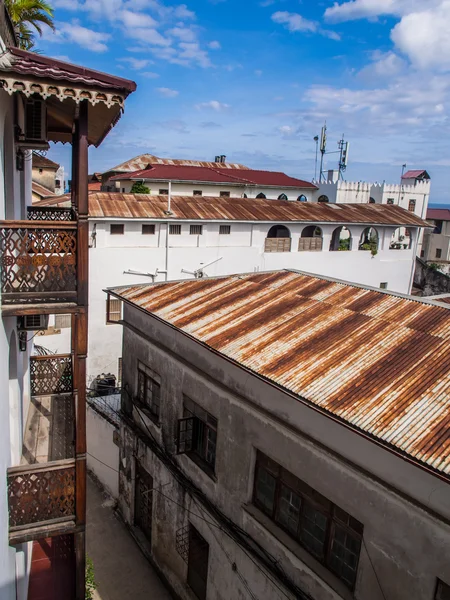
(413, 269)
(169, 197)
(167, 250)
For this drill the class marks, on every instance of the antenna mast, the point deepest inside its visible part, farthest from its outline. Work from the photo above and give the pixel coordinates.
(323, 148)
(343, 158)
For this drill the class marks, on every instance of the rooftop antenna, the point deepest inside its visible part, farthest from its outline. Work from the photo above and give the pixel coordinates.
(200, 272)
(323, 148)
(316, 139)
(343, 158)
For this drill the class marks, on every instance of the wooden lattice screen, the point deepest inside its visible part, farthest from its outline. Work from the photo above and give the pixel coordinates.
(51, 374)
(40, 493)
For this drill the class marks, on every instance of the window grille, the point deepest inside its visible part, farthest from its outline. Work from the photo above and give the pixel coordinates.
(148, 230)
(224, 229)
(438, 252)
(174, 229)
(196, 229)
(327, 532)
(116, 229)
(197, 193)
(63, 321)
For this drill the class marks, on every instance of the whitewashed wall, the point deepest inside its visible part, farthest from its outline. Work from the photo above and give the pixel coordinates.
(241, 251)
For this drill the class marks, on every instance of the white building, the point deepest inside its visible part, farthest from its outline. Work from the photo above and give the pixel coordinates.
(199, 178)
(286, 437)
(136, 235)
(436, 242)
(412, 194)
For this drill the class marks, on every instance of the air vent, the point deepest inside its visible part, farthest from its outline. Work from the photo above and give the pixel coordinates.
(33, 322)
(35, 126)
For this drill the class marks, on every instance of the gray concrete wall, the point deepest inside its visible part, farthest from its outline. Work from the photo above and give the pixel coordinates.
(430, 281)
(406, 546)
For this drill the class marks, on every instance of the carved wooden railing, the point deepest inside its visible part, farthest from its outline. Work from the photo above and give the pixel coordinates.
(47, 213)
(277, 245)
(41, 493)
(51, 374)
(310, 244)
(38, 262)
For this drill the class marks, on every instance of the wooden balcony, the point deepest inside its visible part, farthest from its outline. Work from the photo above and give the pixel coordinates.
(41, 491)
(38, 265)
(310, 244)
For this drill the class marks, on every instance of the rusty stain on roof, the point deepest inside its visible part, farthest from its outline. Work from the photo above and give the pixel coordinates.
(103, 205)
(379, 361)
(138, 163)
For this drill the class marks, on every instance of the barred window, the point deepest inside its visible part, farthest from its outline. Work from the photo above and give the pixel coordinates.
(224, 229)
(174, 229)
(330, 534)
(196, 229)
(438, 252)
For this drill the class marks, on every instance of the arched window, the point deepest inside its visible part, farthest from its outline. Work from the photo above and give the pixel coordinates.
(311, 239)
(261, 196)
(278, 239)
(401, 239)
(341, 239)
(302, 198)
(279, 231)
(371, 200)
(323, 199)
(282, 197)
(369, 240)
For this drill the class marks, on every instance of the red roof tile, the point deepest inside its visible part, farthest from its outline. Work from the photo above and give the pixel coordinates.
(212, 175)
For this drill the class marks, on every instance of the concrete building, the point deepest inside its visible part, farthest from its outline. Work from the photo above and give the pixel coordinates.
(44, 270)
(137, 238)
(286, 436)
(412, 194)
(436, 243)
(48, 177)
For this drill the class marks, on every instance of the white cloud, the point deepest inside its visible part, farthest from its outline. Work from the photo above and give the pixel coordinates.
(424, 37)
(383, 66)
(167, 92)
(148, 36)
(135, 19)
(149, 75)
(214, 45)
(294, 21)
(185, 34)
(213, 105)
(364, 9)
(258, 72)
(74, 33)
(190, 52)
(136, 63)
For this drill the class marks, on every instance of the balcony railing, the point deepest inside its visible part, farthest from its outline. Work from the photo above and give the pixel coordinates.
(51, 374)
(44, 213)
(41, 491)
(39, 262)
(277, 245)
(310, 244)
(41, 495)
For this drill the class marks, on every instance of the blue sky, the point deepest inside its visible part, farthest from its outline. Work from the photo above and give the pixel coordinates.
(255, 80)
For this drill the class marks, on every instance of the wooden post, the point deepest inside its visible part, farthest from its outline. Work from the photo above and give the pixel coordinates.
(80, 182)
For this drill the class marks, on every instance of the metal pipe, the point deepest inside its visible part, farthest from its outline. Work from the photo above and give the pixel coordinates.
(169, 197)
(167, 251)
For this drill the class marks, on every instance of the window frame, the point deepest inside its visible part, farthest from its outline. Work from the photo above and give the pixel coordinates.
(193, 561)
(438, 253)
(224, 229)
(412, 205)
(147, 380)
(195, 229)
(120, 229)
(390, 201)
(174, 229)
(309, 498)
(224, 194)
(150, 226)
(200, 430)
(163, 192)
(197, 192)
(111, 312)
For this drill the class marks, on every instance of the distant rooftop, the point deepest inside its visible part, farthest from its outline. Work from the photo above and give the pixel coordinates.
(417, 174)
(138, 163)
(42, 162)
(378, 361)
(438, 214)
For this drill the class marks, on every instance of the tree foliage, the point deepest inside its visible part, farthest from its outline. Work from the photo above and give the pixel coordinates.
(27, 15)
(139, 188)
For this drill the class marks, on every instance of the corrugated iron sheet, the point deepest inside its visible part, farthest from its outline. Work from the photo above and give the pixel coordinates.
(376, 360)
(142, 161)
(208, 208)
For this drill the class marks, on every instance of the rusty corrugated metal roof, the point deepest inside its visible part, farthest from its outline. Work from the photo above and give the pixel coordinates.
(376, 360)
(138, 163)
(103, 205)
